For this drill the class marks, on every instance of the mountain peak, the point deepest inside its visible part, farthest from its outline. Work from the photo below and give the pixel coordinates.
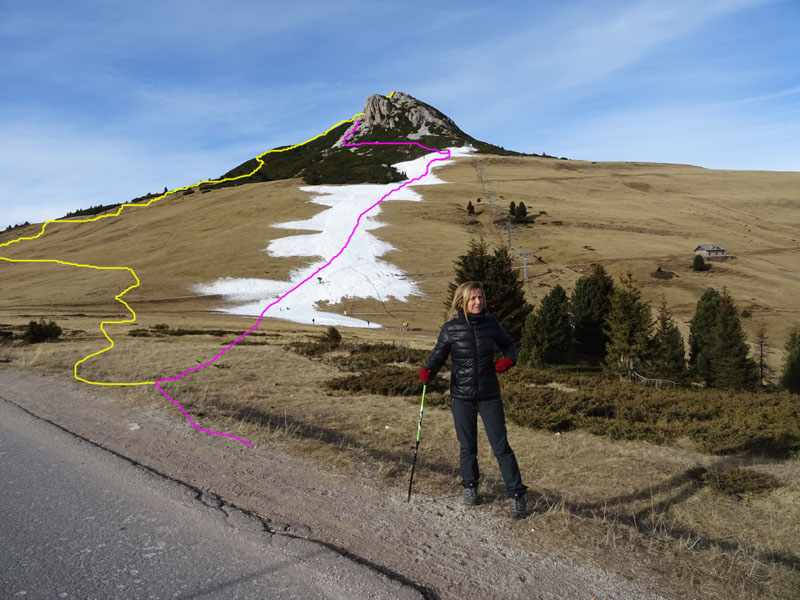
(326, 159)
(403, 112)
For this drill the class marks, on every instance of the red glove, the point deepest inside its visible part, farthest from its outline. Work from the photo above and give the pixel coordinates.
(425, 375)
(503, 365)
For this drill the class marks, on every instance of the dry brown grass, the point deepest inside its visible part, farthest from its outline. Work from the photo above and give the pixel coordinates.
(637, 508)
(631, 506)
(626, 216)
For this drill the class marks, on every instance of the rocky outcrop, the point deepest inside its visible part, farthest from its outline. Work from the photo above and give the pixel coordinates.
(405, 112)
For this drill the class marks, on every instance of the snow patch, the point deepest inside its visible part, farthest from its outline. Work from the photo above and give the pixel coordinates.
(357, 273)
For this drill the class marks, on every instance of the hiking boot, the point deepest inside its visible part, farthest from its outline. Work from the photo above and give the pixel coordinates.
(471, 497)
(518, 506)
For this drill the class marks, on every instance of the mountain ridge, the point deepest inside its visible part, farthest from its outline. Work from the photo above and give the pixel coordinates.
(327, 160)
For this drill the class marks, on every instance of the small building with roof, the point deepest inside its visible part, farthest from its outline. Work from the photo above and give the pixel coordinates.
(711, 252)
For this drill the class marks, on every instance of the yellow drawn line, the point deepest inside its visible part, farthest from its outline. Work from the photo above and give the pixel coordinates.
(119, 296)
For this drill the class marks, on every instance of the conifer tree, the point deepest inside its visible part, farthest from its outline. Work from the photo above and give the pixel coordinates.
(790, 375)
(667, 356)
(589, 305)
(470, 208)
(627, 326)
(731, 367)
(512, 209)
(547, 336)
(698, 264)
(506, 293)
(705, 315)
(521, 213)
(504, 289)
(764, 371)
(526, 354)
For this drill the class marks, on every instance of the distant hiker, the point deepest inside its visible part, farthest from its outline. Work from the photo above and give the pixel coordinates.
(404, 326)
(469, 338)
(313, 322)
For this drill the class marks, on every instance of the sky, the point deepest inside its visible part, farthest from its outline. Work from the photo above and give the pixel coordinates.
(101, 102)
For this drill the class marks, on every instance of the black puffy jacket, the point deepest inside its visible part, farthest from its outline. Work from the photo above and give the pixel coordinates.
(471, 346)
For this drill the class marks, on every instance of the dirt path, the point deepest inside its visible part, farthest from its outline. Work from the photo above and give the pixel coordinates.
(445, 549)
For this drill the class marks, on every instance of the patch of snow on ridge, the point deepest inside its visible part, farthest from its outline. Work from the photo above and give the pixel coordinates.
(357, 273)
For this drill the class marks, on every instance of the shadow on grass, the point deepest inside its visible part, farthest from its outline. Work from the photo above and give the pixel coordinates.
(678, 489)
(327, 435)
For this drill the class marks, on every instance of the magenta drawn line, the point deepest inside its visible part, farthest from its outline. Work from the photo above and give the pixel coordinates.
(446, 156)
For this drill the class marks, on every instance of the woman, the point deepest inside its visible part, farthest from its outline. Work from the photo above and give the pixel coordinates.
(469, 337)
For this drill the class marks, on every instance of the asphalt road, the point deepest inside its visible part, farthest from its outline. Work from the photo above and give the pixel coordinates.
(79, 522)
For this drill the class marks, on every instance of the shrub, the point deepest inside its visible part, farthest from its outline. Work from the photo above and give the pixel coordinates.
(740, 481)
(369, 356)
(385, 381)
(736, 423)
(41, 332)
(332, 337)
(328, 341)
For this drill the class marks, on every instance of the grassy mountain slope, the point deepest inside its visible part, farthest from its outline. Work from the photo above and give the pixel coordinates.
(626, 216)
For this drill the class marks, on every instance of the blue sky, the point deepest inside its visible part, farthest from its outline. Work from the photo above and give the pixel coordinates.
(103, 101)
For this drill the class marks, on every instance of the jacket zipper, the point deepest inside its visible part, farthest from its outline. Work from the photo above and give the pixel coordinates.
(475, 356)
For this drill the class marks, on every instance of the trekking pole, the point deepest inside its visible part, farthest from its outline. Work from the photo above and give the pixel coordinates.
(416, 448)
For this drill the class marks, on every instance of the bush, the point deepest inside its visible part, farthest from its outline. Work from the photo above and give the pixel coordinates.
(733, 423)
(41, 332)
(385, 381)
(333, 337)
(370, 356)
(740, 481)
(327, 342)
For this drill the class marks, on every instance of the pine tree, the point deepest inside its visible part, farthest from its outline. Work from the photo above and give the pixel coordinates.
(512, 209)
(790, 376)
(526, 356)
(506, 293)
(698, 264)
(521, 214)
(504, 289)
(547, 336)
(731, 367)
(472, 266)
(589, 305)
(667, 355)
(705, 315)
(764, 371)
(470, 208)
(627, 326)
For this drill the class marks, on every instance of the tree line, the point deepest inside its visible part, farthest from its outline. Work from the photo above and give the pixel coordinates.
(610, 324)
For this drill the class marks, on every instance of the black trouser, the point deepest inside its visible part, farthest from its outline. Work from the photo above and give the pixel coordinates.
(465, 416)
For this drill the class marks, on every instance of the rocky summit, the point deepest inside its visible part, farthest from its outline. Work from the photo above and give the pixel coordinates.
(404, 112)
(326, 160)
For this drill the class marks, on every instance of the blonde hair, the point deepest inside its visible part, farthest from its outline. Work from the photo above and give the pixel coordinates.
(461, 297)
